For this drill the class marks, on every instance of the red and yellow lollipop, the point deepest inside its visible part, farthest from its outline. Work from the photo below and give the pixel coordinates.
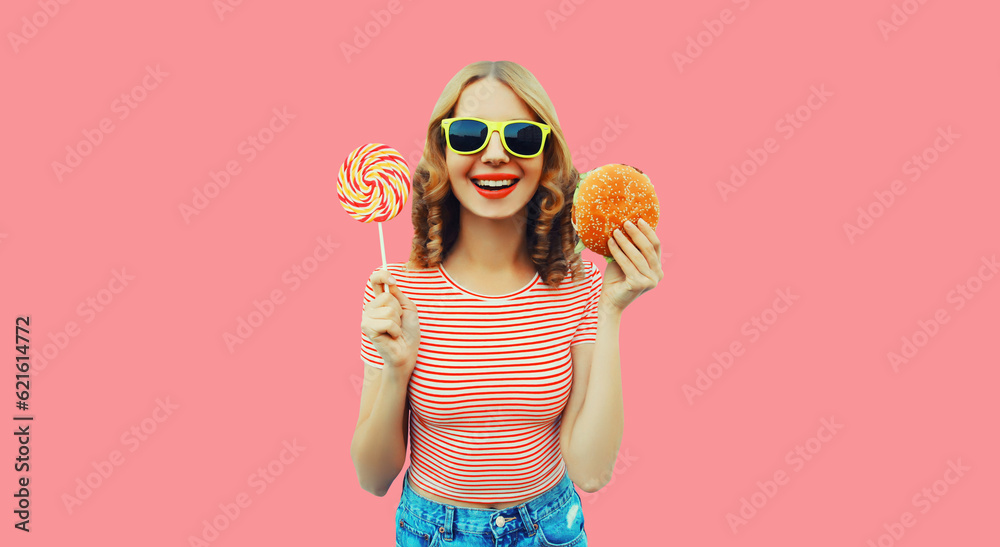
(373, 185)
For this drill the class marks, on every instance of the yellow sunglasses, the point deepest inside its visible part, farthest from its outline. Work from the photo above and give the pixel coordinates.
(522, 138)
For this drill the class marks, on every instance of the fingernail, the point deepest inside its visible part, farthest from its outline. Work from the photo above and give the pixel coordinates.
(629, 223)
(643, 221)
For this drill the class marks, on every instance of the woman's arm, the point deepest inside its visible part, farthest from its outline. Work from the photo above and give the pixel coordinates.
(594, 419)
(593, 425)
(378, 447)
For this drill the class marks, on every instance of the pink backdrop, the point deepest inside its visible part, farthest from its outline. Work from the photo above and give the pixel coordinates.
(827, 177)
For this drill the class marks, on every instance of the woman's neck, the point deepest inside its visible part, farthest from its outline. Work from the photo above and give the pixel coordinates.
(491, 246)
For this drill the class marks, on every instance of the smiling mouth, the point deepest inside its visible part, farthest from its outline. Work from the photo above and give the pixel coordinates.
(494, 184)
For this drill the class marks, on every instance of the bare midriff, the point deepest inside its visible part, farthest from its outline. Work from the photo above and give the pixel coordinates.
(445, 501)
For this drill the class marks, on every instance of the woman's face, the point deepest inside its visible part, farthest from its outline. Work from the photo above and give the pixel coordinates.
(490, 99)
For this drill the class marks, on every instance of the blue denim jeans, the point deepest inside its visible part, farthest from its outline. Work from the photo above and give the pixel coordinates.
(552, 519)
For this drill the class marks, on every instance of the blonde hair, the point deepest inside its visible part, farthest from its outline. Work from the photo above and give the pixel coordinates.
(551, 238)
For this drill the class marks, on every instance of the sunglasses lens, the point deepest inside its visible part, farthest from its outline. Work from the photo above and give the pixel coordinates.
(523, 138)
(466, 135)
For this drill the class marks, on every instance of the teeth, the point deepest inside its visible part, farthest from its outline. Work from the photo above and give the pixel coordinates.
(494, 183)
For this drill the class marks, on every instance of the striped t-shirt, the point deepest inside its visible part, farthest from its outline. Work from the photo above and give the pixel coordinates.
(492, 377)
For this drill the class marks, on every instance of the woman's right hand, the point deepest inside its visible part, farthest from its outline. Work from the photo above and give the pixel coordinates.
(390, 321)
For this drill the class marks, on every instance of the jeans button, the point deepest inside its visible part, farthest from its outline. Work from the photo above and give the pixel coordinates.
(500, 521)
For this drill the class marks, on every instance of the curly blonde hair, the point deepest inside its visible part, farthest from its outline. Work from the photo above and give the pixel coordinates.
(552, 240)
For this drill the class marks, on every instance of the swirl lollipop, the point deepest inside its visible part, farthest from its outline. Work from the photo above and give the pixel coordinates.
(373, 185)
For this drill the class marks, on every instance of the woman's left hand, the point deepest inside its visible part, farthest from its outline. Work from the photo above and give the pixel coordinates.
(636, 268)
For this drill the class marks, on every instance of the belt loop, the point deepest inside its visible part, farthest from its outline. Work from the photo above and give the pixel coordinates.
(449, 522)
(529, 524)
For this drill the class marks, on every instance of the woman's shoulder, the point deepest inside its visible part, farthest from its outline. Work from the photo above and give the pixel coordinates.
(571, 281)
(412, 266)
(589, 268)
(396, 268)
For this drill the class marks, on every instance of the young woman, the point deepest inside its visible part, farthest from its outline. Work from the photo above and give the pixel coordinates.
(495, 348)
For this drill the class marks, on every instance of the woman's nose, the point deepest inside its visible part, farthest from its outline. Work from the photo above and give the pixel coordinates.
(494, 151)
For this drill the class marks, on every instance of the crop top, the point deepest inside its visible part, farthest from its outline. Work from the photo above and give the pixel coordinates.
(492, 377)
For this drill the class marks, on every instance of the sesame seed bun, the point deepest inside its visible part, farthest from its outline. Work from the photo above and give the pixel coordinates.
(608, 196)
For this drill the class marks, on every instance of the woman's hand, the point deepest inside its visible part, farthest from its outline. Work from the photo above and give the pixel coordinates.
(391, 322)
(636, 268)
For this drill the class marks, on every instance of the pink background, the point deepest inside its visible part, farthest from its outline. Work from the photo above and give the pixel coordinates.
(684, 464)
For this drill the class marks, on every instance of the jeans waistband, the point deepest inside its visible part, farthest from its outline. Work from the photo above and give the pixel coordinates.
(519, 517)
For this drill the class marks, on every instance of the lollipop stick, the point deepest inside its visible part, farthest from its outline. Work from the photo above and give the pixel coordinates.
(381, 240)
